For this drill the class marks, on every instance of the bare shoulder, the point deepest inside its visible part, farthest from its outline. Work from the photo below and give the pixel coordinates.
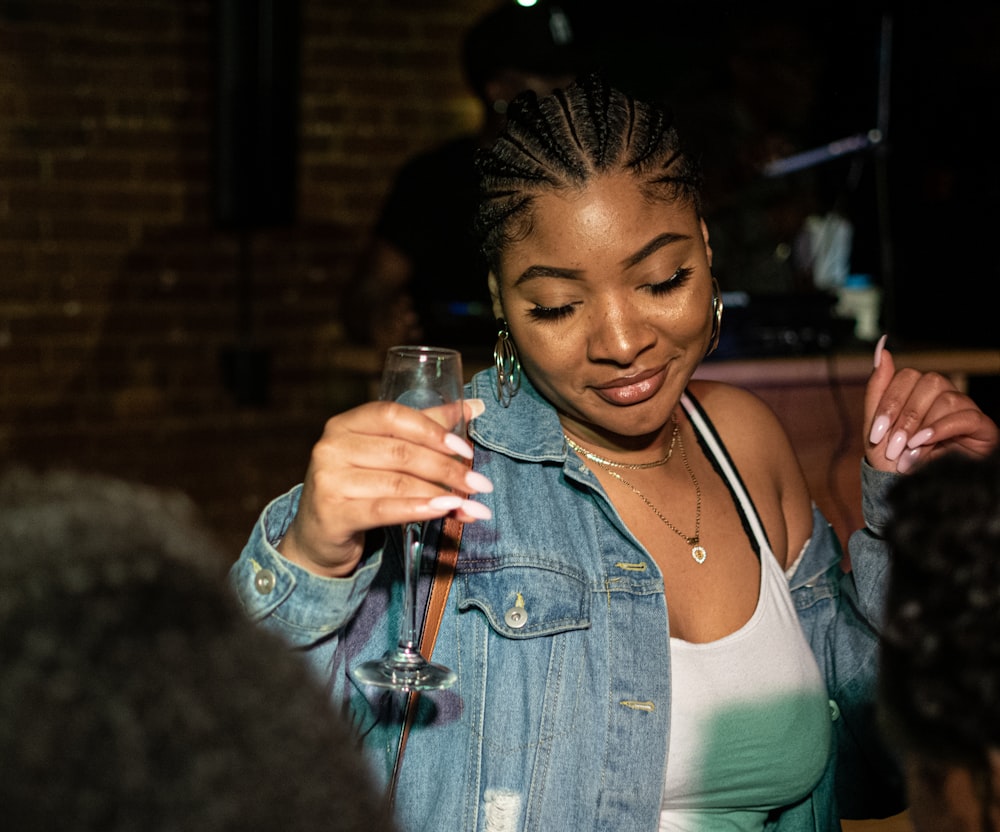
(739, 415)
(758, 444)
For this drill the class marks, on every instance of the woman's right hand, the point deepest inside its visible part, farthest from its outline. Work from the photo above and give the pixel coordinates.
(376, 465)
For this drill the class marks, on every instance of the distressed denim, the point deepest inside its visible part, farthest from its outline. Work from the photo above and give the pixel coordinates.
(561, 714)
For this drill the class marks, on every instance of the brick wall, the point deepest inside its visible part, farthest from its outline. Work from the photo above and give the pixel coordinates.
(119, 297)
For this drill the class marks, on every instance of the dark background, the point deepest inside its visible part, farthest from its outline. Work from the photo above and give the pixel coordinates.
(172, 270)
(749, 81)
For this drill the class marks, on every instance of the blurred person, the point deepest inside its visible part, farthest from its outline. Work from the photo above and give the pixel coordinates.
(134, 694)
(940, 685)
(422, 278)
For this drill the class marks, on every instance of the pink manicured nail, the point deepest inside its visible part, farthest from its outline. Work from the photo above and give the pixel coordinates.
(446, 502)
(896, 445)
(478, 483)
(458, 445)
(920, 438)
(879, 429)
(907, 460)
(478, 407)
(878, 350)
(477, 510)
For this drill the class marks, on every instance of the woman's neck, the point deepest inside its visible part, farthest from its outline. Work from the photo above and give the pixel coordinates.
(618, 448)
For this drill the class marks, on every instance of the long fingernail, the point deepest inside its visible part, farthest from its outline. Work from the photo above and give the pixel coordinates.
(920, 438)
(478, 483)
(446, 502)
(477, 510)
(896, 445)
(878, 350)
(879, 430)
(478, 407)
(458, 445)
(907, 460)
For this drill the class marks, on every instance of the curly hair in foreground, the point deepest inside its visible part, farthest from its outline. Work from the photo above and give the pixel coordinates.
(940, 682)
(134, 694)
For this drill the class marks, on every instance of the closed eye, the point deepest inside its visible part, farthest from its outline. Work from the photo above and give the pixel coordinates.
(550, 313)
(674, 282)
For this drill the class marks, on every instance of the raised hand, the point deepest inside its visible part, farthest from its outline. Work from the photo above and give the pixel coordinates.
(911, 416)
(377, 465)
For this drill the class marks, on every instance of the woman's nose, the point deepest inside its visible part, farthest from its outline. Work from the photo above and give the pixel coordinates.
(619, 332)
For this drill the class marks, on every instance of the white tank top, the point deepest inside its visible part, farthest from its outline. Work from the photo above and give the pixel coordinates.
(750, 718)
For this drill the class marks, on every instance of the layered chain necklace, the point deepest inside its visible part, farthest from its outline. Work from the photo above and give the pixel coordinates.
(694, 541)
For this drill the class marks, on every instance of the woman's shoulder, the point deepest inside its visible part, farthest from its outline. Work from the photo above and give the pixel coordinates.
(735, 411)
(762, 451)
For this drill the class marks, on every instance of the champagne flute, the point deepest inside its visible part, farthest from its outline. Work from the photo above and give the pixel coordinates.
(419, 377)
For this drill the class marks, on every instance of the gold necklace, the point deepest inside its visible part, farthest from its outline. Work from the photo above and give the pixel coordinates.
(694, 541)
(631, 466)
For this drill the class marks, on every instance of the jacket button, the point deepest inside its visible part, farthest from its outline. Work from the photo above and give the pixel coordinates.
(263, 581)
(516, 618)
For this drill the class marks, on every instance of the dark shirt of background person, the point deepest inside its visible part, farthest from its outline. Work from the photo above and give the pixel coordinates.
(422, 277)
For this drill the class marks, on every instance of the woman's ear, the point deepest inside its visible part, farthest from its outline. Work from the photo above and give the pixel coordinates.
(494, 284)
(704, 236)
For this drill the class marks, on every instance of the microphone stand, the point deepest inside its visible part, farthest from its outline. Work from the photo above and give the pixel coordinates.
(874, 140)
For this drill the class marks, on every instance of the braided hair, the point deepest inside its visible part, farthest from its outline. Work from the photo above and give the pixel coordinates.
(564, 140)
(940, 674)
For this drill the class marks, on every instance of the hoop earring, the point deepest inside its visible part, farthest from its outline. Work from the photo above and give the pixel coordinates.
(507, 363)
(716, 318)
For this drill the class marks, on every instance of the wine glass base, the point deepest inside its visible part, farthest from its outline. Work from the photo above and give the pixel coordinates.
(404, 670)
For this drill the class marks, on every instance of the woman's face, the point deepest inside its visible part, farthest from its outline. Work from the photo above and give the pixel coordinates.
(609, 300)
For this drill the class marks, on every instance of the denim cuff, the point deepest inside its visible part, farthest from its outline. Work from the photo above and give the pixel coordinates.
(875, 485)
(301, 606)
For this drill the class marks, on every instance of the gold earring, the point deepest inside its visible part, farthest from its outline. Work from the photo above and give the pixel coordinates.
(507, 363)
(716, 318)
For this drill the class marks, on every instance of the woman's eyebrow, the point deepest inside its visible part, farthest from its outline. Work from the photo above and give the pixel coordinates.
(658, 242)
(533, 272)
(654, 245)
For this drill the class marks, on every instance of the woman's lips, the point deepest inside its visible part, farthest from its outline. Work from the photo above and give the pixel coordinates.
(632, 390)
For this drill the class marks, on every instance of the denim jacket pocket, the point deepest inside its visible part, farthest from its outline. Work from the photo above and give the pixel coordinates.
(526, 601)
(525, 654)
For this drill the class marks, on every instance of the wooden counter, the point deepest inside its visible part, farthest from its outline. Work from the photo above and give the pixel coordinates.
(850, 368)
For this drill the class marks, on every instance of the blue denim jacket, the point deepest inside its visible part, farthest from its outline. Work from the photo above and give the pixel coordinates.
(561, 714)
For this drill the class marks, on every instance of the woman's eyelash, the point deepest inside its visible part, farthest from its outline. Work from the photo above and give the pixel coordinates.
(554, 313)
(550, 313)
(675, 281)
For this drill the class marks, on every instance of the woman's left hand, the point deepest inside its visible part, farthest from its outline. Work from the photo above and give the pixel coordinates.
(912, 416)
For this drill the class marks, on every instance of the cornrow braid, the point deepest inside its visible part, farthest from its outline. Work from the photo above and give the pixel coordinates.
(564, 140)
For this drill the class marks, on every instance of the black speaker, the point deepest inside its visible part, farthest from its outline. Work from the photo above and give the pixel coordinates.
(255, 164)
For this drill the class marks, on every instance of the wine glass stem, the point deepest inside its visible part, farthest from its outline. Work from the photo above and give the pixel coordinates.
(412, 551)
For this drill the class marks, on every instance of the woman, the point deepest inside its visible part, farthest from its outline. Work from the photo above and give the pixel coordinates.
(622, 620)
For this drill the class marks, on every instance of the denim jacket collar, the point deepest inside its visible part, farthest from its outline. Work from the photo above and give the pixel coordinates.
(528, 429)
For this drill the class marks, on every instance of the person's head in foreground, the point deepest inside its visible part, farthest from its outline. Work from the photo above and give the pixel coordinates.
(134, 694)
(940, 688)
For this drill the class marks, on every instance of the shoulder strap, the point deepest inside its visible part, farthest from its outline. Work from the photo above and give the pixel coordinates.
(717, 454)
(444, 571)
